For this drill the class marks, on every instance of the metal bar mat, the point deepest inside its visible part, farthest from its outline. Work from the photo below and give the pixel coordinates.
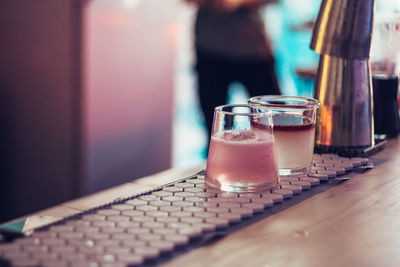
(155, 226)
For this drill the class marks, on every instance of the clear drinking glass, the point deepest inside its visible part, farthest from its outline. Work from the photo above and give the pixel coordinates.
(385, 65)
(294, 130)
(241, 156)
(385, 44)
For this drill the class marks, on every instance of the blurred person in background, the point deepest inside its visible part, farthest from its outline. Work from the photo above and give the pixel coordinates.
(231, 44)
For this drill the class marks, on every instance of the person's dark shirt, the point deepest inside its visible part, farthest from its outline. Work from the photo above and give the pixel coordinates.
(239, 34)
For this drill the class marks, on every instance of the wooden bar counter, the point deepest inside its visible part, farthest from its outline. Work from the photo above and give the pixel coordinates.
(356, 223)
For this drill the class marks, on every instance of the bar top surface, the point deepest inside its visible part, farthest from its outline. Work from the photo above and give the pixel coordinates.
(355, 223)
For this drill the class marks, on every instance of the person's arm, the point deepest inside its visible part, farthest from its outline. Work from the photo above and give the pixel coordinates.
(232, 5)
(197, 2)
(256, 3)
(213, 4)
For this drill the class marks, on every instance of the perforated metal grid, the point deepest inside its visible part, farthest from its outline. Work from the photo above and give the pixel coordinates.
(144, 227)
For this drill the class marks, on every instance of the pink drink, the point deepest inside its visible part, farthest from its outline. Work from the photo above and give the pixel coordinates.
(242, 159)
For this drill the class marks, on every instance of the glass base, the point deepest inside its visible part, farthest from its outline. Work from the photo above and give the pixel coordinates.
(240, 187)
(283, 172)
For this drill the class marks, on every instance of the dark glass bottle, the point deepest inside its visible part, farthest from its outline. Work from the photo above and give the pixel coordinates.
(386, 106)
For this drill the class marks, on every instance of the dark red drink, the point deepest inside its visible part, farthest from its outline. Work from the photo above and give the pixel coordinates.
(386, 106)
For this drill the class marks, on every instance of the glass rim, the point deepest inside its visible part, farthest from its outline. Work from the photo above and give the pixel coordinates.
(262, 110)
(307, 103)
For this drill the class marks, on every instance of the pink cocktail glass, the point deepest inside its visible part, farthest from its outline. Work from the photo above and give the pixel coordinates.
(242, 157)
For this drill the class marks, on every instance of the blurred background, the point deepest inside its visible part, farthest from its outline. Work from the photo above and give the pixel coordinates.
(96, 93)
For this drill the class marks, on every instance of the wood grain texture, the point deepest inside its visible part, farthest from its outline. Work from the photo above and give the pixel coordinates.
(356, 223)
